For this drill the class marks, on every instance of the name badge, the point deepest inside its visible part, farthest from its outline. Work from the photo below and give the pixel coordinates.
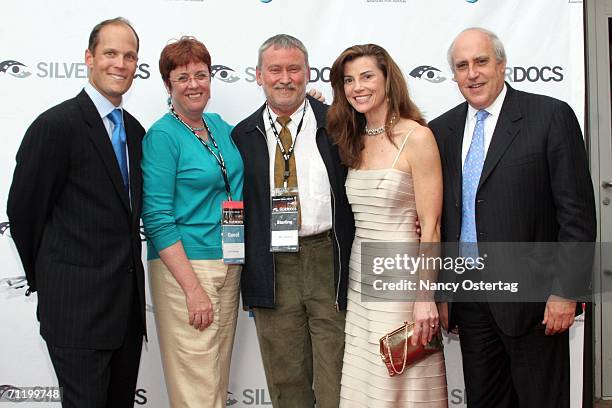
(284, 221)
(232, 232)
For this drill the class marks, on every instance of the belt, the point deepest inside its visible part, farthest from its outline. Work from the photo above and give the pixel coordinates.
(315, 237)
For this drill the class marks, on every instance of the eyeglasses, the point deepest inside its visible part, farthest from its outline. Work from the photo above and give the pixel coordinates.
(200, 77)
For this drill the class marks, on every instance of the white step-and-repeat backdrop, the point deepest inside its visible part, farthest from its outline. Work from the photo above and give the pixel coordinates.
(544, 43)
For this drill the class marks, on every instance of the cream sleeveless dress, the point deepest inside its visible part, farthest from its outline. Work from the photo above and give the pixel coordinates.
(384, 208)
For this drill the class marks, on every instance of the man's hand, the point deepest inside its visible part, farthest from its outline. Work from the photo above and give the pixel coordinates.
(318, 95)
(443, 312)
(558, 315)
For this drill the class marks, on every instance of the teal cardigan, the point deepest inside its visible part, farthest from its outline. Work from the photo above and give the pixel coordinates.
(183, 187)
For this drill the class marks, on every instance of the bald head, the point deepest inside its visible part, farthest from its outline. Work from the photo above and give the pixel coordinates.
(498, 46)
(478, 62)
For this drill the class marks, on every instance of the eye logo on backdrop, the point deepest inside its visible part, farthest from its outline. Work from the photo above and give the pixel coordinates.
(427, 73)
(14, 282)
(255, 397)
(471, 1)
(230, 399)
(143, 233)
(224, 73)
(4, 228)
(265, 1)
(14, 68)
(6, 390)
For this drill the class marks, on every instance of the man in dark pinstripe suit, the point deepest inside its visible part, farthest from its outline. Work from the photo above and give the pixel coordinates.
(533, 185)
(75, 221)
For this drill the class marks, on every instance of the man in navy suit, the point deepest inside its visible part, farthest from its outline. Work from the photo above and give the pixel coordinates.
(515, 171)
(74, 209)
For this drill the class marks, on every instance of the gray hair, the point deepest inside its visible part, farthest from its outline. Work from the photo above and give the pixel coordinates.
(498, 46)
(281, 41)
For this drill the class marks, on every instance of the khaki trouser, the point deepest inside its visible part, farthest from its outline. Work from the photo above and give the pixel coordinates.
(302, 338)
(196, 363)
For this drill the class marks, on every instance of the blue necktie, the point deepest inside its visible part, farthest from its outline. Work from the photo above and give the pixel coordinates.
(118, 140)
(472, 168)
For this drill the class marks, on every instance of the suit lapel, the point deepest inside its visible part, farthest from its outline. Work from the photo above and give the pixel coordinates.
(134, 153)
(99, 137)
(456, 130)
(506, 129)
(324, 144)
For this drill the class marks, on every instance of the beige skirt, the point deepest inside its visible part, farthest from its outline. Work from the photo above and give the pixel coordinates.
(196, 363)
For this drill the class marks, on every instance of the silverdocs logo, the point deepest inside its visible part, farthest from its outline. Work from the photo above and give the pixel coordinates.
(224, 73)
(14, 68)
(428, 73)
(58, 70)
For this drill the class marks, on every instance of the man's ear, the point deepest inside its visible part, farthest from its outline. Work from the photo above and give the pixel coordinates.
(89, 58)
(258, 76)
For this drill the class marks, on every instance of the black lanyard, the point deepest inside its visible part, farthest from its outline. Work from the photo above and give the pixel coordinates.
(286, 154)
(218, 156)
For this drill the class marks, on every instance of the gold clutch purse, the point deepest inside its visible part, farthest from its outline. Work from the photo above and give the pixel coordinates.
(397, 351)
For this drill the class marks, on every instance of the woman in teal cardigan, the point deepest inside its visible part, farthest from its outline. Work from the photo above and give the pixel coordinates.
(195, 294)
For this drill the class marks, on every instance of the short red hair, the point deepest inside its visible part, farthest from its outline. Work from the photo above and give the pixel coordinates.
(180, 53)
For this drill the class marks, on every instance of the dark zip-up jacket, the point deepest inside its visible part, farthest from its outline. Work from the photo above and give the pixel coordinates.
(258, 274)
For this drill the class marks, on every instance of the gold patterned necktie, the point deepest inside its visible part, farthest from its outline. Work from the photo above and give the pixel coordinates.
(279, 161)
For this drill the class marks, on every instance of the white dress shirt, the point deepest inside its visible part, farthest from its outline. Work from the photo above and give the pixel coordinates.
(489, 124)
(104, 107)
(313, 183)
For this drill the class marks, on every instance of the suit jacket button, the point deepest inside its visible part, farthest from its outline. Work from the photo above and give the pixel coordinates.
(480, 200)
(130, 270)
(457, 236)
(456, 204)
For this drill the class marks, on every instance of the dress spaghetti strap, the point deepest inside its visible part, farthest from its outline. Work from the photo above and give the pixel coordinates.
(402, 147)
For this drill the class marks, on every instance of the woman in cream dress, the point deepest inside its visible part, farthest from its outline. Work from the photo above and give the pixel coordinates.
(394, 177)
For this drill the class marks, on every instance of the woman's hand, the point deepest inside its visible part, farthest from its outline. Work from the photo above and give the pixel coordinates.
(199, 307)
(426, 322)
